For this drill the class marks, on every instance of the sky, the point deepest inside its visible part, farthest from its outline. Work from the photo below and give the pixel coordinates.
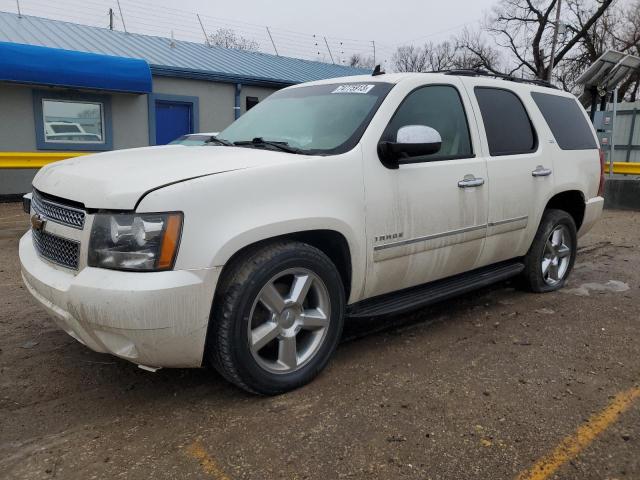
(349, 26)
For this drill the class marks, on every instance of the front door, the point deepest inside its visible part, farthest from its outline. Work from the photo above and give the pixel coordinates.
(426, 220)
(173, 119)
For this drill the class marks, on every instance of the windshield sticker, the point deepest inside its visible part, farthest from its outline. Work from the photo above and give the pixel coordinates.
(354, 88)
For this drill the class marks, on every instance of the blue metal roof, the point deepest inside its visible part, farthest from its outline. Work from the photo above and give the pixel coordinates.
(183, 59)
(52, 66)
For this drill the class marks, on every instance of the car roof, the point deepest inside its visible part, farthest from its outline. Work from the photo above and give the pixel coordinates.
(511, 83)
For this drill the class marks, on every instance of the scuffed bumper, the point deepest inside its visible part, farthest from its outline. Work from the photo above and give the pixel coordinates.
(592, 212)
(156, 319)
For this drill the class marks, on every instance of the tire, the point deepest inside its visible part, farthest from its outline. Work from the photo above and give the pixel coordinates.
(550, 260)
(260, 289)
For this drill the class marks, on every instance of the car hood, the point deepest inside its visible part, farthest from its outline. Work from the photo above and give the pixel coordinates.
(117, 180)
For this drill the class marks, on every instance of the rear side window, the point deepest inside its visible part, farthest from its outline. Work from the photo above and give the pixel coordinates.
(566, 121)
(508, 127)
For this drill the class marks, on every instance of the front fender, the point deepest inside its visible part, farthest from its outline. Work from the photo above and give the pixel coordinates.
(227, 212)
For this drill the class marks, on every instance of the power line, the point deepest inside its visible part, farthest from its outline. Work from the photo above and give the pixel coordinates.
(147, 18)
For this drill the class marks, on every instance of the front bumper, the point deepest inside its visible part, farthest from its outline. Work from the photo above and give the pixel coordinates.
(156, 319)
(592, 212)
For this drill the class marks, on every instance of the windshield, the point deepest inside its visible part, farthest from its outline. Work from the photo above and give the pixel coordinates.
(319, 119)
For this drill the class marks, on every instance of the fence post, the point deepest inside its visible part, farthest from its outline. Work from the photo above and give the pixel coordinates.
(633, 126)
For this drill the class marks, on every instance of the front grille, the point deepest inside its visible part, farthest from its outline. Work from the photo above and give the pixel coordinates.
(56, 212)
(59, 250)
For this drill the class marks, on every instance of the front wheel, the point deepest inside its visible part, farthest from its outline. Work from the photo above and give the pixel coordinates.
(277, 317)
(552, 253)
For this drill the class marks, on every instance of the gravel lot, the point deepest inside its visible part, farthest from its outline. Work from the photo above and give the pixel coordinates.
(479, 387)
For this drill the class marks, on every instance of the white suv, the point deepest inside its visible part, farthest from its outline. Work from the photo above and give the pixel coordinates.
(357, 196)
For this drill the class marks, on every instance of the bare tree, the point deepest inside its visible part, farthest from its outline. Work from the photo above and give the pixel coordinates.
(617, 29)
(525, 29)
(227, 38)
(409, 58)
(474, 52)
(468, 51)
(360, 61)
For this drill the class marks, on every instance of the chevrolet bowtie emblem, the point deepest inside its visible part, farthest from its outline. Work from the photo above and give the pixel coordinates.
(37, 222)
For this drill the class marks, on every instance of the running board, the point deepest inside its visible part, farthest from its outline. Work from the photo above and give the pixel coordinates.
(423, 295)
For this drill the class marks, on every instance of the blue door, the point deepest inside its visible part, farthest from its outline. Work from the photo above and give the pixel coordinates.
(173, 119)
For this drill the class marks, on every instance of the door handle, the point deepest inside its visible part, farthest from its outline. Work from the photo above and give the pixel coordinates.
(540, 171)
(470, 181)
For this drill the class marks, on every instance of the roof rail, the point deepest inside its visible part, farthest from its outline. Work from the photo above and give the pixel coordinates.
(478, 72)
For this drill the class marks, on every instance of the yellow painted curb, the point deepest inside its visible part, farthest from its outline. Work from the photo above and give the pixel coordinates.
(33, 159)
(627, 168)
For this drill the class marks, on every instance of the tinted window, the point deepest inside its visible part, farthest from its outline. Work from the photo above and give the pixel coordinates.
(509, 130)
(566, 120)
(439, 107)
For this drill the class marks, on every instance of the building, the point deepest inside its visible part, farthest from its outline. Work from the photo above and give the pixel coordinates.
(67, 89)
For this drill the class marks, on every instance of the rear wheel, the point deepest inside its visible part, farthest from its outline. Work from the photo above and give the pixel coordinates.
(277, 317)
(552, 254)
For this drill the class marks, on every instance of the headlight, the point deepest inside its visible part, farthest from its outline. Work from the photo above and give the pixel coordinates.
(141, 242)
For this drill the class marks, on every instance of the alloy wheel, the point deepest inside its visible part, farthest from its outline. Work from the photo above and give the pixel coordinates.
(557, 255)
(289, 320)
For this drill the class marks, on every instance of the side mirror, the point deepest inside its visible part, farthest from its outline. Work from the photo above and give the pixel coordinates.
(411, 141)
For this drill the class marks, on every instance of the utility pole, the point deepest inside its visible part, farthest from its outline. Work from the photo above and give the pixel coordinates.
(111, 19)
(328, 49)
(373, 42)
(272, 42)
(555, 41)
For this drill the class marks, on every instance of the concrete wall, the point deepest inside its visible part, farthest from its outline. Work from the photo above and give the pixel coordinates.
(17, 125)
(216, 99)
(622, 193)
(130, 121)
(129, 118)
(249, 91)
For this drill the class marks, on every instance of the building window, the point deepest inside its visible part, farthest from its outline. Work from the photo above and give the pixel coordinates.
(72, 122)
(252, 102)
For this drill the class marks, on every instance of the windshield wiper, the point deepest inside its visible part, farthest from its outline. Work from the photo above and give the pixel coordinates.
(220, 141)
(259, 141)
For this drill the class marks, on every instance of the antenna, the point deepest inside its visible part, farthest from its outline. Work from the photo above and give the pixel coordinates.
(272, 42)
(173, 41)
(111, 19)
(329, 50)
(377, 71)
(122, 17)
(206, 38)
(19, 12)
(373, 42)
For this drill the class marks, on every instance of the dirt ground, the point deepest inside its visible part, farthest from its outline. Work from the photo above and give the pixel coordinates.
(476, 388)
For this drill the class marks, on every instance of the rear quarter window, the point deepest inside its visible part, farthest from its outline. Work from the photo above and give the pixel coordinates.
(506, 122)
(566, 121)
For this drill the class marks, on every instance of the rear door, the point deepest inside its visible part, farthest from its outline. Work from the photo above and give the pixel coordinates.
(519, 167)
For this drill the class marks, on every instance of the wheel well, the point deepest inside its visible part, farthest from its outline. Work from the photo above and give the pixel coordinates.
(572, 202)
(333, 244)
